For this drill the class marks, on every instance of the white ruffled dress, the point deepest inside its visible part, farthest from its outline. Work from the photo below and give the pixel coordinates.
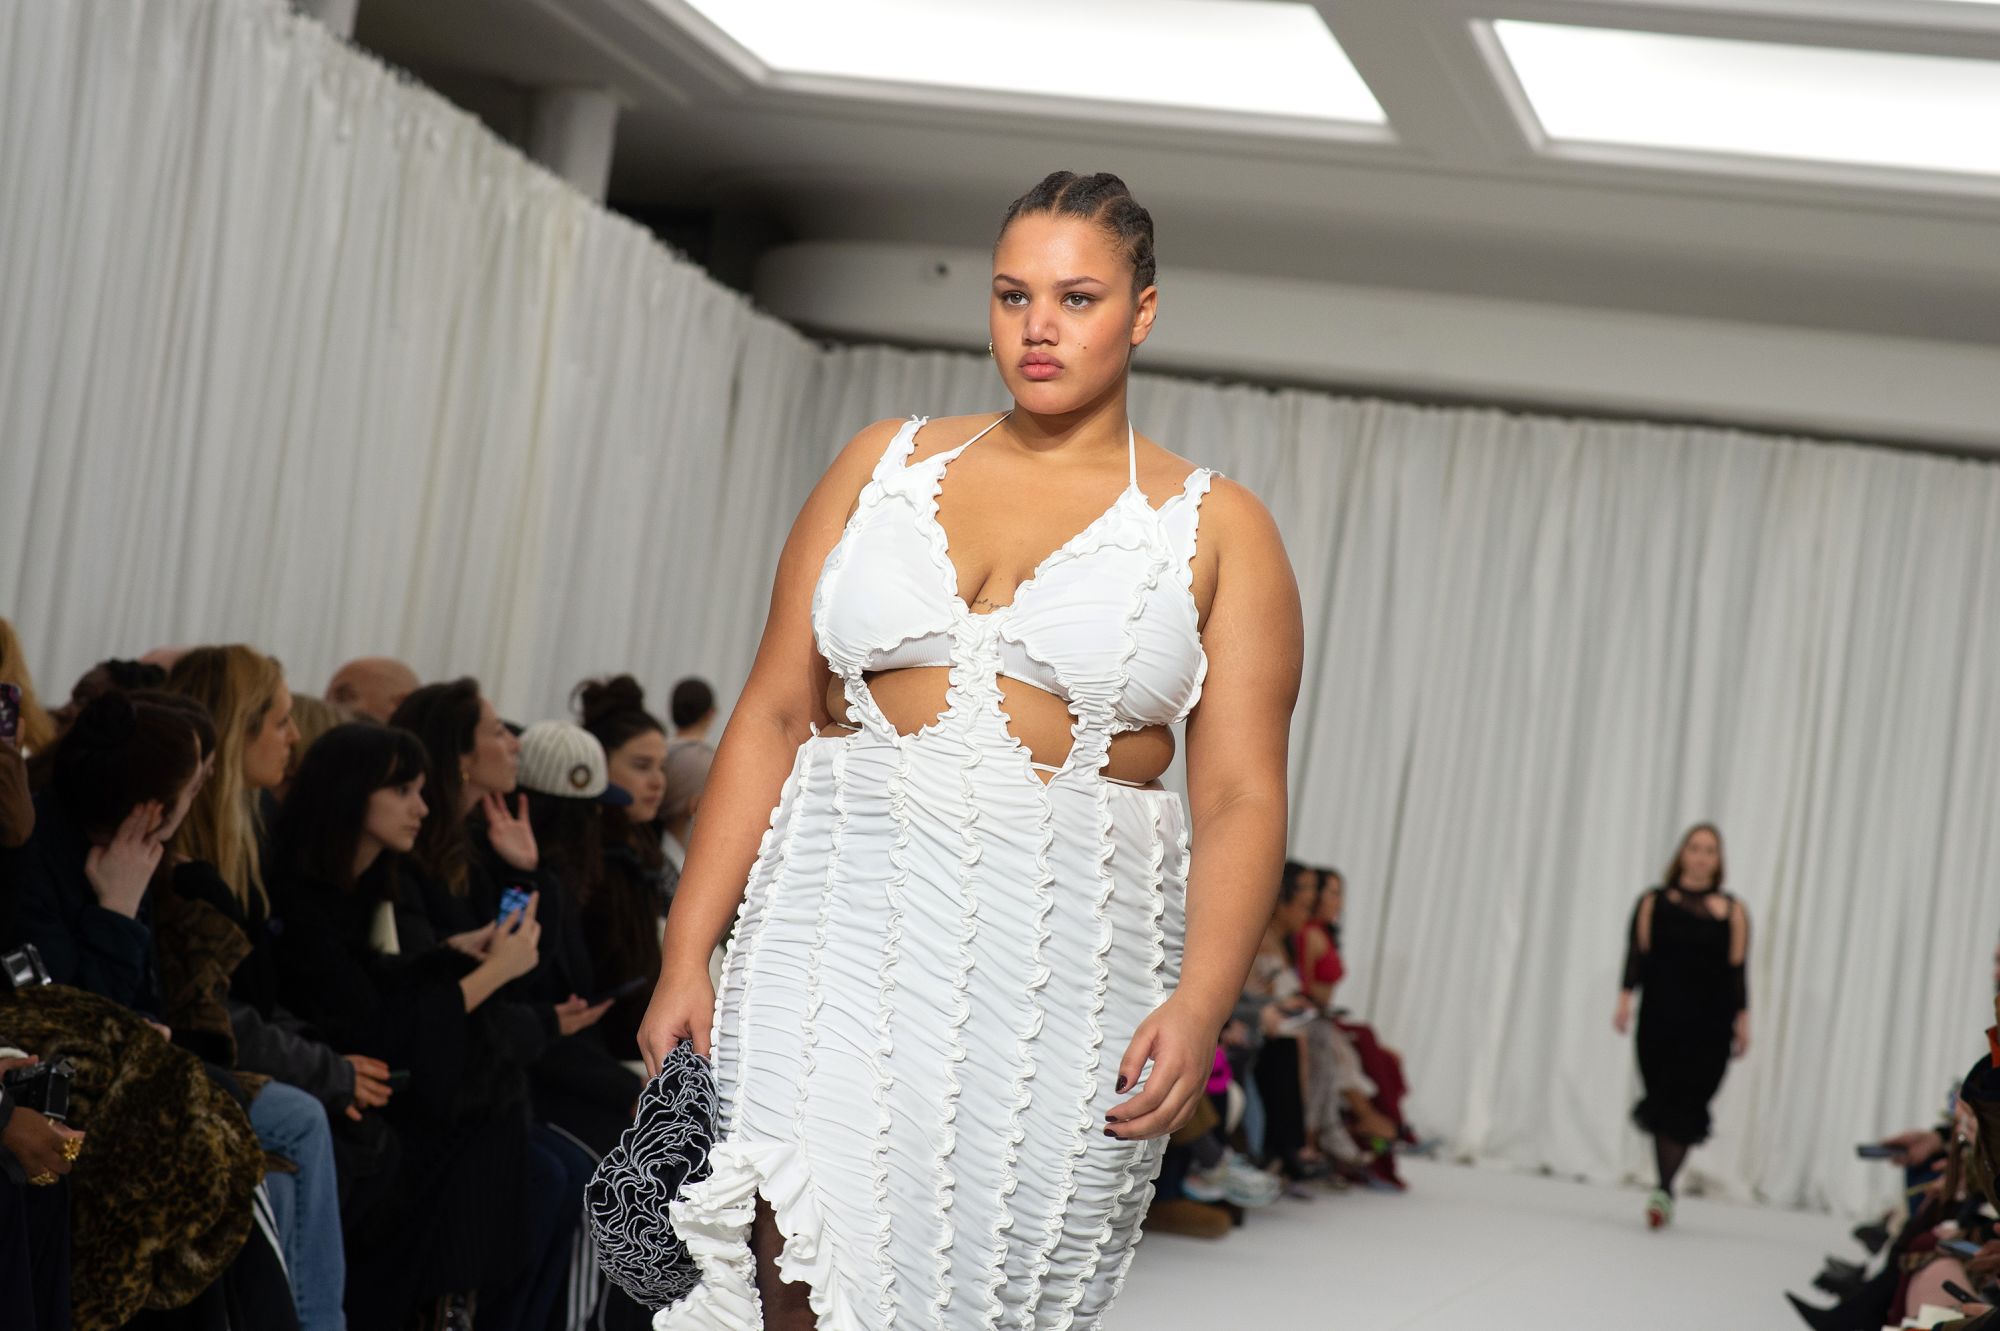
(940, 958)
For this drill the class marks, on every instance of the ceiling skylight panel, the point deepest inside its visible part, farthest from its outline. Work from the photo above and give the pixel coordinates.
(1256, 57)
(1720, 95)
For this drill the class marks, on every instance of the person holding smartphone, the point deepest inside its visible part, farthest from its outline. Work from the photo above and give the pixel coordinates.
(362, 964)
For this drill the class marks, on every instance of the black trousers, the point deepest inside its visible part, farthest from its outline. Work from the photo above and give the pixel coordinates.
(1284, 1098)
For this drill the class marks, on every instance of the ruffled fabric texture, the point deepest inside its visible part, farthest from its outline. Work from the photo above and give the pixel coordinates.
(941, 959)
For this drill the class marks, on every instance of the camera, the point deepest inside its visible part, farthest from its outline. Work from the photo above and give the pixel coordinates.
(43, 1088)
(23, 968)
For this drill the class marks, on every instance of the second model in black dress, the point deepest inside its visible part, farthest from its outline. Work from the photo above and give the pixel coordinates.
(1684, 954)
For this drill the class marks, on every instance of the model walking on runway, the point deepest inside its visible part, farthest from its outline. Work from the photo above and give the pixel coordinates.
(1687, 949)
(955, 1022)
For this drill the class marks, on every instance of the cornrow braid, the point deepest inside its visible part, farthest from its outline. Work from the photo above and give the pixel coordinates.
(1101, 198)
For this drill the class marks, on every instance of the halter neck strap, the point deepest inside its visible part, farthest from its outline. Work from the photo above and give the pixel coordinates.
(1131, 447)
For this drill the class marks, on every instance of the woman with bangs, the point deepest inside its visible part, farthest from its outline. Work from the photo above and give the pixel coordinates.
(359, 961)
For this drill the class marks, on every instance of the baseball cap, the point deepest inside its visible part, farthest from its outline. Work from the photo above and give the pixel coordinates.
(558, 758)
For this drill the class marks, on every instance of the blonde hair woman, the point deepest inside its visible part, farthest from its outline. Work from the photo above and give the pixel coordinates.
(244, 691)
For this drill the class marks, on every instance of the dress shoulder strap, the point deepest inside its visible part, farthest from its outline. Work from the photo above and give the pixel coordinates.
(898, 452)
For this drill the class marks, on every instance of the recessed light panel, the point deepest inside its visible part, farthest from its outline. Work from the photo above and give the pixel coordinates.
(1246, 56)
(1709, 94)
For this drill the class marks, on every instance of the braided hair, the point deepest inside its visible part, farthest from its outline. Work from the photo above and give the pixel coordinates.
(1101, 198)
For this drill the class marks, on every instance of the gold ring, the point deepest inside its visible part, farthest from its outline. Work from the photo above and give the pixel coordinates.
(45, 1179)
(72, 1147)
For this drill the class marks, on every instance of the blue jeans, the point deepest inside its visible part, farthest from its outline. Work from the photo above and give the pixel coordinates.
(306, 1205)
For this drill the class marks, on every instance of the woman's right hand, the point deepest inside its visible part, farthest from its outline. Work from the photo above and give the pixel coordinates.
(682, 1009)
(516, 945)
(120, 872)
(1621, 1020)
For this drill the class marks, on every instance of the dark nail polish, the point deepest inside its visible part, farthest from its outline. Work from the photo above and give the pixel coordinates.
(1109, 1133)
(1121, 1085)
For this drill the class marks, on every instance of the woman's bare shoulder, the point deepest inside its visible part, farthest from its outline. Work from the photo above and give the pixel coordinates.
(1239, 523)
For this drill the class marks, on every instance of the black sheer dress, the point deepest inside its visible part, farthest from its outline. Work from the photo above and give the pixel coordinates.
(1678, 952)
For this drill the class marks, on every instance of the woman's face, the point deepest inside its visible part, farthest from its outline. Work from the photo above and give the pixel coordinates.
(640, 766)
(1700, 858)
(267, 748)
(495, 759)
(1064, 319)
(1332, 898)
(1292, 915)
(394, 815)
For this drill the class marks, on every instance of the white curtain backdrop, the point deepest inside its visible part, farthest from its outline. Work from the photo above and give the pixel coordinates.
(294, 352)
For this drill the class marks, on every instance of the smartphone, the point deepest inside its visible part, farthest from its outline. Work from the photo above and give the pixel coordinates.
(1961, 1293)
(10, 714)
(1877, 1151)
(512, 902)
(1963, 1249)
(625, 990)
(398, 1078)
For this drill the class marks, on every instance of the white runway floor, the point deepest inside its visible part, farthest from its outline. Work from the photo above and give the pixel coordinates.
(1468, 1248)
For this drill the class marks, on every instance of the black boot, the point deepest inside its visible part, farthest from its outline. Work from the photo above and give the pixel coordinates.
(1872, 1236)
(1822, 1319)
(1840, 1279)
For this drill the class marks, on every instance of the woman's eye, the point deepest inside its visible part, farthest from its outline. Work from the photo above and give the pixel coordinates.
(1077, 296)
(1013, 298)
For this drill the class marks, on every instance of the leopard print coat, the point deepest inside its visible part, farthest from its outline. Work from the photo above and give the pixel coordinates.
(161, 1195)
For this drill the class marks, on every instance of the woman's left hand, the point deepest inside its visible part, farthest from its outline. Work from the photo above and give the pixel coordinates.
(1741, 1045)
(1180, 1044)
(511, 835)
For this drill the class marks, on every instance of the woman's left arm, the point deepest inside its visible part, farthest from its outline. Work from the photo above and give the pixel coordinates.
(1236, 746)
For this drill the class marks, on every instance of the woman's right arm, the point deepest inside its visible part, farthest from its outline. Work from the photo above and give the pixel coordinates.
(1638, 942)
(784, 696)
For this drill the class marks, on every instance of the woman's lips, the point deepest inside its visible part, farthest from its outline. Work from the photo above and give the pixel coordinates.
(1041, 369)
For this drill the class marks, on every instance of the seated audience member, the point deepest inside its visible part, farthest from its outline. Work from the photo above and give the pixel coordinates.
(372, 686)
(123, 778)
(361, 960)
(311, 718)
(1275, 1015)
(37, 729)
(627, 909)
(578, 1085)
(213, 928)
(689, 756)
(1343, 1091)
(101, 679)
(471, 848)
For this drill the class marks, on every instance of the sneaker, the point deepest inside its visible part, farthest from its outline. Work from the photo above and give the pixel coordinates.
(1233, 1180)
(1248, 1186)
(1206, 1186)
(1659, 1209)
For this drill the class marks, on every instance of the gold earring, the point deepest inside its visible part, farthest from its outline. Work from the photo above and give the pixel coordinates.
(989, 352)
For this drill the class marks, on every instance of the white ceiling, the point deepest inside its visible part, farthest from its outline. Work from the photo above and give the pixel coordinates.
(1462, 194)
